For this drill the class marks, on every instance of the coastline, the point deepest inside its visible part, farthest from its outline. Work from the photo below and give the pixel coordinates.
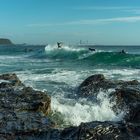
(21, 118)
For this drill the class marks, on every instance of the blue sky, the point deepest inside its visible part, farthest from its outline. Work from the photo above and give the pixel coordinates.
(48, 21)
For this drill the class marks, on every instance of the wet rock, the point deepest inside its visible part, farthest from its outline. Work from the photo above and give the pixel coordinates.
(90, 85)
(23, 110)
(10, 80)
(93, 84)
(128, 100)
(133, 114)
(125, 98)
(102, 131)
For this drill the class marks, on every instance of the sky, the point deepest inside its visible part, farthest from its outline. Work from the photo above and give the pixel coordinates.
(101, 22)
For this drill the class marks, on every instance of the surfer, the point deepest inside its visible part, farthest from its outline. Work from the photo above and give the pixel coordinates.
(122, 52)
(59, 45)
(92, 49)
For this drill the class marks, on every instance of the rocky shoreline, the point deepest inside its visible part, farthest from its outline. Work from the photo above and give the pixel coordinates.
(24, 112)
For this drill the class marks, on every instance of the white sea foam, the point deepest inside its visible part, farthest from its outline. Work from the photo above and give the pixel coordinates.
(85, 55)
(49, 48)
(5, 81)
(121, 74)
(9, 57)
(72, 78)
(75, 113)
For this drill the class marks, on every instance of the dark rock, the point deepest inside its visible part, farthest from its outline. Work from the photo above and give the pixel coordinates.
(90, 85)
(133, 114)
(102, 131)
(23, 110)
(10, 80)
(128, 100)
(126, 96)
(4, 41)
(93, 84)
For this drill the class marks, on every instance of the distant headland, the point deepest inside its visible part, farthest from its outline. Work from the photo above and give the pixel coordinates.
(5, 41)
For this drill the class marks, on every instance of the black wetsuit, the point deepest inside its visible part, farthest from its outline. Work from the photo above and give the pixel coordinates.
(91, 49)
(59, 45)
(123, 52)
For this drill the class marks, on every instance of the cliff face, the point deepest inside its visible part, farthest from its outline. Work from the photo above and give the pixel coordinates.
(4, 41)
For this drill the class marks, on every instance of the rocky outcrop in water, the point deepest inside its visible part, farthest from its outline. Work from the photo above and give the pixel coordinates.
(127, 99)
(22, 109)
(93, 84)
(126, 96)
(4, 41)
(24, 112)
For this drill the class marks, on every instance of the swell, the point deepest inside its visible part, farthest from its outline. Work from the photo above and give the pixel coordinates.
(85, 56)
(114, 58)
(74, 54)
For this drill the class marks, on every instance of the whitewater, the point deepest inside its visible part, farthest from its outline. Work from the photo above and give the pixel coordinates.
(61, 71)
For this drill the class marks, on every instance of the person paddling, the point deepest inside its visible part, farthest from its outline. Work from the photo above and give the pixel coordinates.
(92, 49)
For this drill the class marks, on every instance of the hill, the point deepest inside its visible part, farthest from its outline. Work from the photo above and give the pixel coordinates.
(4, 41)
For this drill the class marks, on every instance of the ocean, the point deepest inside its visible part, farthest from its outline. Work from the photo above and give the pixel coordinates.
(61, 71)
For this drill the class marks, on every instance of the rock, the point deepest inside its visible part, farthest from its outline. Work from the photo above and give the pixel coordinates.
(39, 101)
(128, 100)
(102, 131)
(4, 41)
(10, 80)
(133, 114)
(93, 84)
(23, 110)
(90, 85)
(125, 98)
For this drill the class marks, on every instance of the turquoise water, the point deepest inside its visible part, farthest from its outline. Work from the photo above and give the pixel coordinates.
(60, 72)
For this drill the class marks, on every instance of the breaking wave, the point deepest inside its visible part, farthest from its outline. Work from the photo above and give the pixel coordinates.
(98, 57)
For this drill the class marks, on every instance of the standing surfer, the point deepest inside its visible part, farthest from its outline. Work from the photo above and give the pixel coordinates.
(59, 45)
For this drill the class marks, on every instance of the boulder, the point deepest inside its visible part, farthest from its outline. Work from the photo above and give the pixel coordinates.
(127, 100)
(23, 110)
(93, 84)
